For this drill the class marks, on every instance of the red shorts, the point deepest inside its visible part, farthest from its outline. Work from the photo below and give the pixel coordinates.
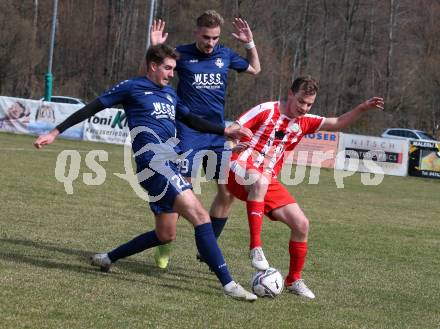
(276, 196)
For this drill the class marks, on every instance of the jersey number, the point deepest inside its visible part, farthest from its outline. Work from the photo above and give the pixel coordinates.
(179, 181)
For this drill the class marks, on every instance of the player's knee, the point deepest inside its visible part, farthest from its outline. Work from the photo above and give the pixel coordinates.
(258, 189)
(198, 215)
(225, 196)
(262, 185)
(166, 236)
(202, 216)
(222, 189)
(224, 192)
(200, 220)
(203, 220)
(299, 226)
(303, 226)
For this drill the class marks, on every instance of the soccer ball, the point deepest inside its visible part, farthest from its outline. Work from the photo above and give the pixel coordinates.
(268, 283)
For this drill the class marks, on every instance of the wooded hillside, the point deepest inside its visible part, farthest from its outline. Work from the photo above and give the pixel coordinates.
(356, 48)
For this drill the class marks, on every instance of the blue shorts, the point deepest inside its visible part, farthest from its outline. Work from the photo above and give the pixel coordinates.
(214, 161)
(163, 188)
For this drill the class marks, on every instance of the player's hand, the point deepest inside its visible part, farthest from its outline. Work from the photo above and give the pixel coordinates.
(46, 139)
(242, 31)
(375, 103)
(157, 35)
(234, 131)
(240, 147)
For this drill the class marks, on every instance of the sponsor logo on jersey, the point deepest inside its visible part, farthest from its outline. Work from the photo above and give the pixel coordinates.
(163, 111)
(207, 80)
(219, 63)
(193, 60)
(279, 134)
(148, 93)
(294, 127)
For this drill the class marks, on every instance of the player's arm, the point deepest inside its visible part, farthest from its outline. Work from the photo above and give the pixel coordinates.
(243, 33)
(346, 119)
(86, 112)
(157, 32)
(234, 131)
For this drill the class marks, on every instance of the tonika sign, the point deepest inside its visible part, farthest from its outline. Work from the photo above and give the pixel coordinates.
(109, 126)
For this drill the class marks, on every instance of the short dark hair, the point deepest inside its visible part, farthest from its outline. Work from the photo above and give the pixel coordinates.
(158, 53)
(306, 83)
(210, 18)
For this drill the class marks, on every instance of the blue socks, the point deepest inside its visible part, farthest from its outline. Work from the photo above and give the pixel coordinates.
(217, 225)
(138, 244)
(211, 253)
(206, 244)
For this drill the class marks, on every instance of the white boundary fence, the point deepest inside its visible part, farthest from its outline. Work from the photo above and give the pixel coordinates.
(24, 116)
(354, 152)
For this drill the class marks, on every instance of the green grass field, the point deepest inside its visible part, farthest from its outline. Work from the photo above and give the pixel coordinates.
(373, 256)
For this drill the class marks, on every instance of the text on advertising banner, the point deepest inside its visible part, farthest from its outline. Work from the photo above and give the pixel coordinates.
(372, 154)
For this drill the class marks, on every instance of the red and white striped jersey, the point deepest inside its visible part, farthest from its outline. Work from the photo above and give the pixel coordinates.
(274, 134)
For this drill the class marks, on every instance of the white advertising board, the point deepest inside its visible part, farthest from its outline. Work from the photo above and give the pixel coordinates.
(372, 154)
(109, 126)
(35, 117)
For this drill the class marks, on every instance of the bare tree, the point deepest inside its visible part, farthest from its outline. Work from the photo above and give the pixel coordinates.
(33, 46)
(392, 25)
(355, 47)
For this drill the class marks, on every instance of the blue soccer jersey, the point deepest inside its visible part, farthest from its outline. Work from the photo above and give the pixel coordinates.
(202, 88)
(151, 110)
(146, 105)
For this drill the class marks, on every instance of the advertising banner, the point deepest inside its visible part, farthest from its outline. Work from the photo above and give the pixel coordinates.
(317, 150)
(372, 154)
(109, 126)
(35, 117)
(424, 159)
